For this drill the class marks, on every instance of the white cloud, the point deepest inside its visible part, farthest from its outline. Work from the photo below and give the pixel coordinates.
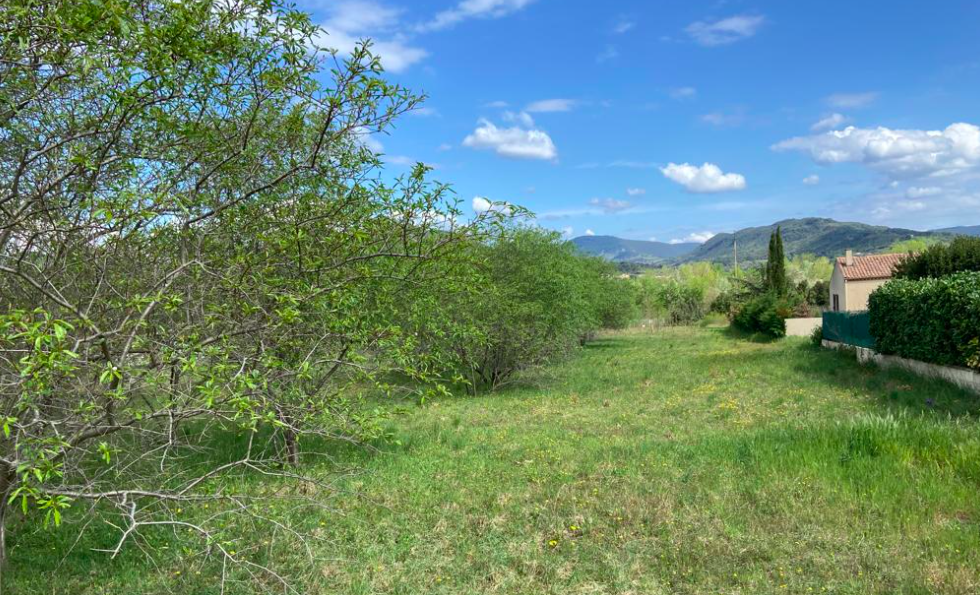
(811, 180)
(496, 104)
(445, 147)
(725, 31)
(424, 112)
(915, 192)
(482, 204)
(522, 118)
(852, 100)
(473, 9)
(567, 231)
(829, 122)
(353, 20)
(623, 25)
(610, 205)
(607, 54)
(589, 232)
(683, 93)
(515, 142)
(697, 237)
(550, 105)
(705, 179)
(723, 119)
(898, 154)
(636, 191)
(364, 137)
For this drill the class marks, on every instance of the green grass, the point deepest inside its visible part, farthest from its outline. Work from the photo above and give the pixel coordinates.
(682, 461)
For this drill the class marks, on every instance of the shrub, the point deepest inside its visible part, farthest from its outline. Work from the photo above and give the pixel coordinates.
(764, 314)
(939, 260)
(516, 302)
(816, 336)
(934, 319)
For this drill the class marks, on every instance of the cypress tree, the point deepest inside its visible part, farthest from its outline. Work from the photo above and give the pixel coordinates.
(776, 264)
(779, 265)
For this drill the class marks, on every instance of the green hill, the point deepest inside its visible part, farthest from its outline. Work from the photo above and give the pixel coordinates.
(638, 251)
(823, 237)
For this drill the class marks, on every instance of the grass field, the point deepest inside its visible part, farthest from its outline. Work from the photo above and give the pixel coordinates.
(681, 461)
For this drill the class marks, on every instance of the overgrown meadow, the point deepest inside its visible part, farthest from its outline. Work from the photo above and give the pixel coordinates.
(687, 460)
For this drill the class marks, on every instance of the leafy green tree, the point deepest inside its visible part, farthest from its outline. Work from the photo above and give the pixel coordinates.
(194, 239)
(940, 260)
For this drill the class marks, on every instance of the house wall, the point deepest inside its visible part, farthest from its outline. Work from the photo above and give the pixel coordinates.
(838, 288)
(853, 295)
(858, 293)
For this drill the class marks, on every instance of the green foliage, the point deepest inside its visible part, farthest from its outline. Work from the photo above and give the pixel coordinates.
(816, 336)
(764, 314)
(933, 319)
(914, 244)
(776, 265)
(939, 260)
(514, 302)
(194, 233)
(680, 295)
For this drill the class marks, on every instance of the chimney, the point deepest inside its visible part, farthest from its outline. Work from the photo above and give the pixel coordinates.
(849, 258)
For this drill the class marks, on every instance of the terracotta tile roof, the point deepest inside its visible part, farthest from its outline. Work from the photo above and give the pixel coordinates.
(874, 266)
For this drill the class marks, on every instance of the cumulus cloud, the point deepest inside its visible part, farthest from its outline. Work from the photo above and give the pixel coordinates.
(829, 122)
(522, 118)
(550, 105)
(811, 180)
(707, 178)
(589, 232)
(697, 237)
(852, 100)
(567, 231)
(898, 154)
(725, 31)
(473, 9)
(916, 192)
(515, 142)
(482, 204)
(682, 93)
(352, 20)
(610, 205)
(636, 191)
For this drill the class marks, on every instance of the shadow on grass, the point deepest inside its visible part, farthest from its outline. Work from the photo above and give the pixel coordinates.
(735, 333)
(895, 388)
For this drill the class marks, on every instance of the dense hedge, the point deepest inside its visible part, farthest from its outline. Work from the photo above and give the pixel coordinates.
(939, 260)
(932, 320)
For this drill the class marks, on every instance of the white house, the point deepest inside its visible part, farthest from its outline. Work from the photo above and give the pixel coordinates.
(855, 277)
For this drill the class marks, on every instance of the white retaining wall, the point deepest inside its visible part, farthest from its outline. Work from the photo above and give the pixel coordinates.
(802, 327)
(962, 377)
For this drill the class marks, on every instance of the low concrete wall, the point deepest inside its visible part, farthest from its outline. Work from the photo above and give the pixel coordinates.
(802, 327)
(962, 377)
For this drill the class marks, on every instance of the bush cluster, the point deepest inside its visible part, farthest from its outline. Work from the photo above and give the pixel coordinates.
(516, 302)
(939, 260)
(933, 319)
(766, 314)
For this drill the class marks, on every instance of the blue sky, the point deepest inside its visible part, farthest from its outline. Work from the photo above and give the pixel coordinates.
(676, 119)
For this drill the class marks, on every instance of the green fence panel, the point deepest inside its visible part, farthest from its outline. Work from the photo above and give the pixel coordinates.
(851, 328)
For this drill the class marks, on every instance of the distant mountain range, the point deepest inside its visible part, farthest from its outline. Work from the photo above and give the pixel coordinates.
(638, 251)
(822, 237)
(963, 230)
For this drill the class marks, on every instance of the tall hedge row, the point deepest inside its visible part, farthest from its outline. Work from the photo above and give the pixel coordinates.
(934, 319)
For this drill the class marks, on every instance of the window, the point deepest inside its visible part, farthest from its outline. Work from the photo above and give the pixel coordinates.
(836, 303)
